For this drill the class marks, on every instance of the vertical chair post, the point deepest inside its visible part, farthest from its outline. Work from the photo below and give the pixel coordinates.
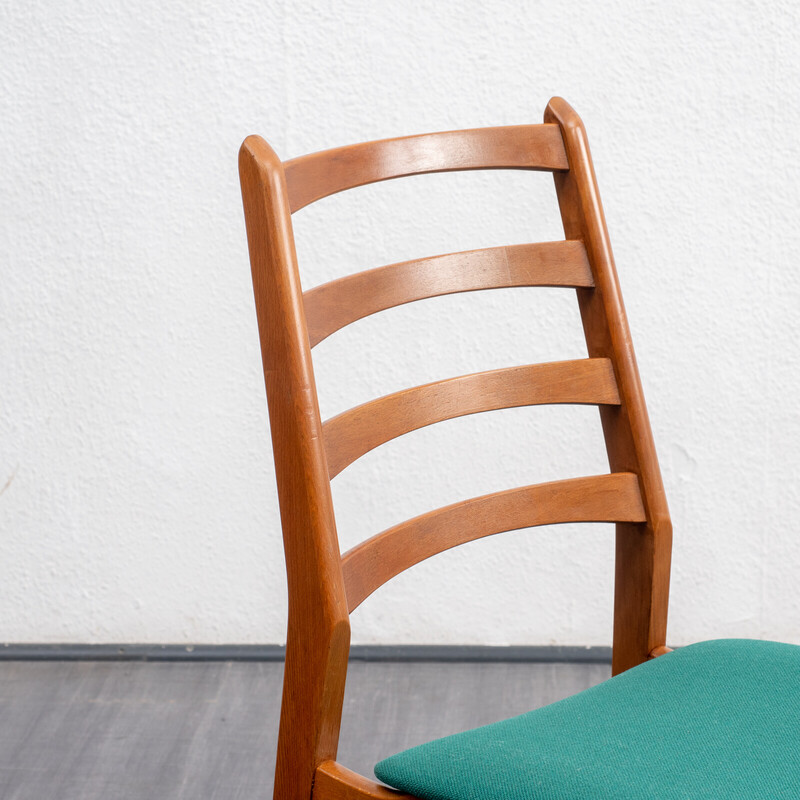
(318, 638)
(643, 550)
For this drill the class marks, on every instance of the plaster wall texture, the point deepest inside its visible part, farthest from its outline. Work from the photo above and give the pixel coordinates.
(139, 501)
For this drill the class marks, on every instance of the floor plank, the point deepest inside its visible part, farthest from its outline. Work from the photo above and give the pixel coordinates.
(200, 730)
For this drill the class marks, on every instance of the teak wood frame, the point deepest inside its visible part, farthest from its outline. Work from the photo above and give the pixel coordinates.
(325, 586)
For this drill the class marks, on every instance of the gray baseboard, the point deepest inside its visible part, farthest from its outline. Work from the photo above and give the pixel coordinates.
(274, 652)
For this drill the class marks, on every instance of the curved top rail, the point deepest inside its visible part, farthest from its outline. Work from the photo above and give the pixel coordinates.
(310, 178)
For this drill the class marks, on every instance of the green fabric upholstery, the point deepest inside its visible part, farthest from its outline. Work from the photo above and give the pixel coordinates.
(717, 720)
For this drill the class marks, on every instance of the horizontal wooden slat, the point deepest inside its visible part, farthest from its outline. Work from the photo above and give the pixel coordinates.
(601, 498)
(355, 432)
(333, 305)
(312, 177)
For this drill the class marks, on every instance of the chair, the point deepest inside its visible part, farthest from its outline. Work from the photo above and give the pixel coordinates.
(324, 586)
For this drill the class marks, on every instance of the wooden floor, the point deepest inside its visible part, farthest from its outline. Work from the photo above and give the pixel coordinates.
(204, 730)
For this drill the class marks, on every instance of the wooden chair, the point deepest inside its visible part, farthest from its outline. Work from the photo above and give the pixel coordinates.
(324, 586)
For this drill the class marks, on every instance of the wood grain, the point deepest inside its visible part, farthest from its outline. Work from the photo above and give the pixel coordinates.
(333, 305)
(643, 551)
(600, 498)
(355, 432)
(312, 177)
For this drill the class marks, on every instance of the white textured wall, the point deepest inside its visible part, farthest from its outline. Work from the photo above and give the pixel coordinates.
(140, 502)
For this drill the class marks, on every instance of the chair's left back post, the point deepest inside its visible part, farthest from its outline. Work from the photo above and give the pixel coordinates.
(643, 550)
(318, 636)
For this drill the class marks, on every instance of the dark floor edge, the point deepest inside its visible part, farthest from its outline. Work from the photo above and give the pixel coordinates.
(273, 652)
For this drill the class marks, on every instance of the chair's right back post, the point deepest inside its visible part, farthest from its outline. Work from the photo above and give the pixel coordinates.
(643, 550)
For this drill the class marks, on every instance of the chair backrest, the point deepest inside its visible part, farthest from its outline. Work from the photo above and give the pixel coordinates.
(324, 586)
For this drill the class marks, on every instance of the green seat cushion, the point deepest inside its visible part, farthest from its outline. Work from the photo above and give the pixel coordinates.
(718, 719)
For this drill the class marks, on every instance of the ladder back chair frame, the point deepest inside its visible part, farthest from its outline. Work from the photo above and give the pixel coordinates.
(324, 585)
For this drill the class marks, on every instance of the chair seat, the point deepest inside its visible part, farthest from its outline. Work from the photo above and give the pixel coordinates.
(717, 719)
